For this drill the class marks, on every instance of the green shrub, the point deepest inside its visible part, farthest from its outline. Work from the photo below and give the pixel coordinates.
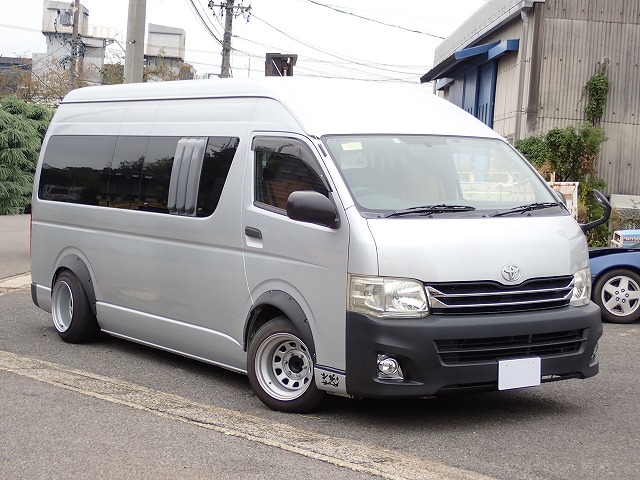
(22, 129)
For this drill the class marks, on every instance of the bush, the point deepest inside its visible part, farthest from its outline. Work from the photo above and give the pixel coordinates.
(570, 155)
(22, 129)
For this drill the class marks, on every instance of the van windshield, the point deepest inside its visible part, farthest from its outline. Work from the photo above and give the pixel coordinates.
(391, 173)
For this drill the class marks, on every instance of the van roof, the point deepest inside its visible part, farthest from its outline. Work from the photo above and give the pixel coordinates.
(321, 106)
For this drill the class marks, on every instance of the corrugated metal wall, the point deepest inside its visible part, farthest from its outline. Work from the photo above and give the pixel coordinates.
(506, 99)
(578, 37)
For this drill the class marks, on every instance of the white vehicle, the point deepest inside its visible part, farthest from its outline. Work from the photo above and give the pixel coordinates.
(341, 237)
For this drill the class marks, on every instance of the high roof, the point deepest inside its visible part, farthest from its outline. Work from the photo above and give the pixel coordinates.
(320, 106)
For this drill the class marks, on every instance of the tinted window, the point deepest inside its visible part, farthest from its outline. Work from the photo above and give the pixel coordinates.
(279, 174)
(156, 173)
(215, 168)
(126, 172)
(75, 169)
(129, 172)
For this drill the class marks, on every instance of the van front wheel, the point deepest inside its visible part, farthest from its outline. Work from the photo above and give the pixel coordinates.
(72, 315)
(280, 368)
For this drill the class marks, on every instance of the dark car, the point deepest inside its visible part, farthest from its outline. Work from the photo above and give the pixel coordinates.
(615, 273)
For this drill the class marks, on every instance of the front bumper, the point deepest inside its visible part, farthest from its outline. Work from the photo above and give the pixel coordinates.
(455, 352)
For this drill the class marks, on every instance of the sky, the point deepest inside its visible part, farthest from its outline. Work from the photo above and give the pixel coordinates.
(371, 39)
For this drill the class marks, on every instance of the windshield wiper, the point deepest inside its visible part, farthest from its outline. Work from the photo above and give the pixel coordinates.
(428, 210)
(526, 208)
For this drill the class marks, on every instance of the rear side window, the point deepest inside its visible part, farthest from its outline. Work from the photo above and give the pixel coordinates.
(76, 169)
(126, 172)
(156, 173)
(134, 172)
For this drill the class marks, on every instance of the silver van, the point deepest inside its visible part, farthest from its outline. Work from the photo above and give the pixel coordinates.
(351, 238)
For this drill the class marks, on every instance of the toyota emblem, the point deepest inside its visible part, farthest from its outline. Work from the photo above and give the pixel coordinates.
(511, 273)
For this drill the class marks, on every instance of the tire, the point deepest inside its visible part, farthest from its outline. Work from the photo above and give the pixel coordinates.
(617, 292)
(280, 368)
(73, 318)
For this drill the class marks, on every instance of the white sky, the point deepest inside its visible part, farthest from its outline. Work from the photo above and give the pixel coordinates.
(328, 43)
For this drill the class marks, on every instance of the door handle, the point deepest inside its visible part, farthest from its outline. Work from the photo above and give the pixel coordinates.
(252, 232)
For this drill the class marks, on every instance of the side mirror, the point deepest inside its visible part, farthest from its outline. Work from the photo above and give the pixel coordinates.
(602, 200)
(312, 207)
(560, 197)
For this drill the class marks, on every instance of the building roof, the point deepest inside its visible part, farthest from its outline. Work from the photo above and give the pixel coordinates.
(488, 18)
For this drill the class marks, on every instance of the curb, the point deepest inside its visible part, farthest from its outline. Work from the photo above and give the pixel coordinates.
(16, 282)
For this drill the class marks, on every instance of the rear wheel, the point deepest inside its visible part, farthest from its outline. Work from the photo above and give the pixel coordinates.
(618, 294)
(72, 315)
(280, 368)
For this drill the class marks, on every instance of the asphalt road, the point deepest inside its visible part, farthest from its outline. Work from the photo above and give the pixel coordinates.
(14, 245)
(114, 409)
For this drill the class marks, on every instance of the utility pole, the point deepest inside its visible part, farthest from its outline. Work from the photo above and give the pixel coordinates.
(225, 69)
(134, 53)
(229, 10)
(73, 65)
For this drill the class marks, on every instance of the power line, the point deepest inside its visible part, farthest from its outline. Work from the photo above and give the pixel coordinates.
(218, 27)
(346, 61)
(330, 7)
(199, 17)
(327, 52)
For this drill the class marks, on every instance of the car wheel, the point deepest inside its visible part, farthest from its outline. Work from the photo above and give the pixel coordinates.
(280, 368)
(72, 315)
(618, 294)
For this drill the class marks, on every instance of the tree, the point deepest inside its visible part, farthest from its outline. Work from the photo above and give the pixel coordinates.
(160, 69)
(570, 155)
(22, 129)
(47, 82)
(166, 70)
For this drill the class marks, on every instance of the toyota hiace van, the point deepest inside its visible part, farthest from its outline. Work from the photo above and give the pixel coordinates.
(323, 237)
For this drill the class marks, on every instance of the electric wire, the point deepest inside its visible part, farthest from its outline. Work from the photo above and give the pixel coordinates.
(318, 60)
(208, 25)
(361, 63)
(330, 7)
(198, 16)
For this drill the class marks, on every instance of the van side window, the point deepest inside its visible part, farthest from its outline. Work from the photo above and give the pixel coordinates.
(134, 172)
(215, 168)
(279, 173)
(76, 169)
(126, 172)
(156, 172)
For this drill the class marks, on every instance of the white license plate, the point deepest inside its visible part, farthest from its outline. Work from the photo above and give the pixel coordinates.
(519, 373)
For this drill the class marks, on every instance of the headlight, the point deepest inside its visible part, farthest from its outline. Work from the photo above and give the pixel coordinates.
(387, 297)
(581, 287)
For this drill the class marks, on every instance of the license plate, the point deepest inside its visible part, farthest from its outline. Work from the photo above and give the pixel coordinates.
(519, 373)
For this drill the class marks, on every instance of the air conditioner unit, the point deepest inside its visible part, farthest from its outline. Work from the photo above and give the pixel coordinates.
(625, 238)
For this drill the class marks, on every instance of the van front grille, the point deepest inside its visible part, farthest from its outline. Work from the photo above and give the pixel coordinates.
(493, 297)
(482, 350)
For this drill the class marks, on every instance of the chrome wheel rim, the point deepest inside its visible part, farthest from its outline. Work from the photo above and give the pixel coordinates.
(284, 367)
(621, 296)
(62, 306)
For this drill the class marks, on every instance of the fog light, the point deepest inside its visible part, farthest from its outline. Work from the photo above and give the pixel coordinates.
(389, 368)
